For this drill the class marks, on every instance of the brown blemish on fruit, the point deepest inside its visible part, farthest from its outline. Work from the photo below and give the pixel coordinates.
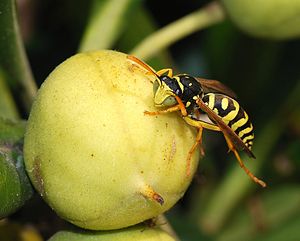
(39, 183)
(173, 150)
(149, 193)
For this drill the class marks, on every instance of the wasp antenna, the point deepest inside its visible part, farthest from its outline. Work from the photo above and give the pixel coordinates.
(143, 64)
(149, 193)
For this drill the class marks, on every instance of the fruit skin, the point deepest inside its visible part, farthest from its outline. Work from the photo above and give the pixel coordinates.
(91, 152)
(274, 19)
(136, 233)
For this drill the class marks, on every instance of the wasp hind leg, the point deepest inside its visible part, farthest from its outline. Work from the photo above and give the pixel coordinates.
(248, 172)
(197, 143)
(200, 125)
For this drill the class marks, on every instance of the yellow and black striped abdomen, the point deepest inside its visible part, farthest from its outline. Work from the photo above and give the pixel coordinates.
(232, 115)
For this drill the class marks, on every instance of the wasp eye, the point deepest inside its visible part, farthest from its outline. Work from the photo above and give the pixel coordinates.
(169, 101)
(155, 86)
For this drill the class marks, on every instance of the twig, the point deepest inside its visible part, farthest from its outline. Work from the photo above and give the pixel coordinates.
(204, 17)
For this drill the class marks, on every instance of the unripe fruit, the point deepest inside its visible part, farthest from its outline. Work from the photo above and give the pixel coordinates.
(138, 233)
(276, 19)
(93, 155)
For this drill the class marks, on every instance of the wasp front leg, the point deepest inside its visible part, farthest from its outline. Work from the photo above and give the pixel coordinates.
(159, 112)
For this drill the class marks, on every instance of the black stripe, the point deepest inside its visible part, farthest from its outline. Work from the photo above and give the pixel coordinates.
(246, 125)
(218, 105)
(248, 144)
(240, 115)
(248, 134)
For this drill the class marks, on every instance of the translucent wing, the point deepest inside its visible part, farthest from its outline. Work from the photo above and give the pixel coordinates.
(215, 86)
(234, 138)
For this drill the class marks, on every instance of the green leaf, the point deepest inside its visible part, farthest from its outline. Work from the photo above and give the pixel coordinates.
(15, 187)
(8, 108)
(288, 232)
(105, 24)
(276, 207)
(135, 33)
(13, 58)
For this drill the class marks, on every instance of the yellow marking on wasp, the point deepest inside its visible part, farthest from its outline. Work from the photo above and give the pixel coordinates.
(190, 84)
(245, 131)
(188, 104)
(224, 103)
(164, 87)
(181, 86)
(211, 102)
(251, 137)
(232, 114)
(217, 111)
(240, 122)
(196, 97)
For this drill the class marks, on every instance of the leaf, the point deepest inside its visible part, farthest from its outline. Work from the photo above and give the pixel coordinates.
(8, 108)
(15, 187)
(271, 216)
(105, 24)
(13, 58)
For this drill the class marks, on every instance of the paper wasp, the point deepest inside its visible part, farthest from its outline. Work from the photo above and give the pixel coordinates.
(195, 97)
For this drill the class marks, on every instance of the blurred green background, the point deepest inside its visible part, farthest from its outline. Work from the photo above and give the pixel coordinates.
(222, 203)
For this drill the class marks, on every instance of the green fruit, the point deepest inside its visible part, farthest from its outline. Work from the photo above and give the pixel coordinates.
(276, 19)
(138, 233)
(93, 155)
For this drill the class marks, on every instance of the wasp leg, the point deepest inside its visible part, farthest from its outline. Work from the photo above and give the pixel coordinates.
(149, 193)
(192, 150)
(159, 112)
(181, 106)
(200, 125)
(248, 172)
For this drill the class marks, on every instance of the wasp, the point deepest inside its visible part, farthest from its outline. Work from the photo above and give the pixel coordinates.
(195, 98)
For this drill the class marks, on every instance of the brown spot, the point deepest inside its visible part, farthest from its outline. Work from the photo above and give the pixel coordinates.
(92, 155)
(173, 150)
(39, 183)
(149, 193)
(158, 198)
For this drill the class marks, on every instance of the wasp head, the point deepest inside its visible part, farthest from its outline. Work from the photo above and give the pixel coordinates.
(165, 88)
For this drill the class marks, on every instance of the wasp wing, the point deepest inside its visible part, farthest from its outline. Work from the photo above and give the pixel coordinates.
(234, 138)
(215, 86)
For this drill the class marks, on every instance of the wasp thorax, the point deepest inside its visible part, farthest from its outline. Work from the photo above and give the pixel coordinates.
(94, 156)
